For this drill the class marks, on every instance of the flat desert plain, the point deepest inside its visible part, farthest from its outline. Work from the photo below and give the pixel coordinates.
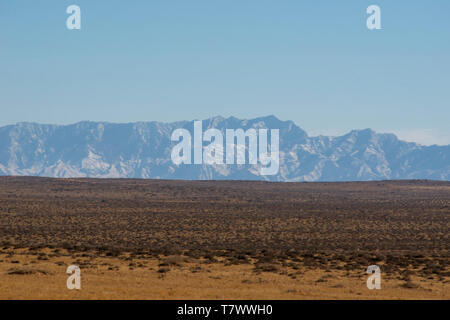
(156, 239)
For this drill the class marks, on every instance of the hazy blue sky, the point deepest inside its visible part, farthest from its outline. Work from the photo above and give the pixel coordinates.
(313, 62)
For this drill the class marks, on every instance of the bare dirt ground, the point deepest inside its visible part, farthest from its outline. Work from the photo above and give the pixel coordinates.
(152, 239)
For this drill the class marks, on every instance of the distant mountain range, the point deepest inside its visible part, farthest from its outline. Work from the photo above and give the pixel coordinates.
(143, 149)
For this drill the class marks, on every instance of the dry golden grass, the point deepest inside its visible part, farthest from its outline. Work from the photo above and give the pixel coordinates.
(139, 278)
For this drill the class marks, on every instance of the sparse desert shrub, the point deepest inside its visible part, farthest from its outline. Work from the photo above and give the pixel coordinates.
(196, 269)
(174, 260)
(67, 246)
(210, 258)
(267, 267)
(25, 271)
(113, 252)
(163, 270)
(409, 285)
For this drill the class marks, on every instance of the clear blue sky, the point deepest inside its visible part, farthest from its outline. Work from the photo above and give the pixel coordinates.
(313, 62)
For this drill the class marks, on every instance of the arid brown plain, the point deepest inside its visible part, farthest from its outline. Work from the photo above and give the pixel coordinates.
(223, 239)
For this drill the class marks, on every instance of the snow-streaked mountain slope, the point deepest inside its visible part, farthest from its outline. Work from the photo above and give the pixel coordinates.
(142, 150)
